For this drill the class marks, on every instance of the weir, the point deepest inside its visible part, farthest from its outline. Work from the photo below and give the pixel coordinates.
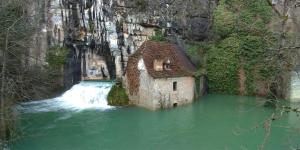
(85, 95)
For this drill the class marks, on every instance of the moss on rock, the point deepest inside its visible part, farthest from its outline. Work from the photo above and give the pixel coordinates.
(117, 95)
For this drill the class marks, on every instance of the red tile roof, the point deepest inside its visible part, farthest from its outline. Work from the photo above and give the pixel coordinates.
(180, 64)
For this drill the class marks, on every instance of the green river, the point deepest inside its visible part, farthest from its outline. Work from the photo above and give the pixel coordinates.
(215, 122)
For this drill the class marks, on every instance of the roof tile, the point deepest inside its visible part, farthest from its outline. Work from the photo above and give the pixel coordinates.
(150, 51)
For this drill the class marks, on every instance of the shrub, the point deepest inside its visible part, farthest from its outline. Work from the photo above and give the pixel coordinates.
(56, 56)
(223, 66)
(117, 95)
(244, 43)
(158, 37)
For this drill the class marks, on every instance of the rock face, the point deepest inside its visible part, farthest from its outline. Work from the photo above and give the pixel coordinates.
(39, 43)
(189, 18)
(101, 34)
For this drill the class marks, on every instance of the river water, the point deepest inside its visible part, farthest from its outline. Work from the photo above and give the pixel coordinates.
(79, 121)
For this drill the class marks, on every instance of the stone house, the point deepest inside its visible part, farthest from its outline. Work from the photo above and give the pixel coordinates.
(159, 75)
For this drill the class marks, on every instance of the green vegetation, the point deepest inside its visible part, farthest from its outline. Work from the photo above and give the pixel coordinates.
(14, 32)
(196, 51)
(22, 75)
(244, 17)
(223, 65)
(158, 37)
(243, 41)
(117, 95)
(56, 56)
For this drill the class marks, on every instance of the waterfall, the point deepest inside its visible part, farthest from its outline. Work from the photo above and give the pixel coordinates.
(85, 95)
(295, 87)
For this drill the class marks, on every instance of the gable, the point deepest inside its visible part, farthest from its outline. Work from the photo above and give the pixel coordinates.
(141, 65)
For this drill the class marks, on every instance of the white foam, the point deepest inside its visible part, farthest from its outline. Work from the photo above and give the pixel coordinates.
(85, 95)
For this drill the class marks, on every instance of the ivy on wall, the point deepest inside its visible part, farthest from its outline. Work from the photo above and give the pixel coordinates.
(244, 42)
(244, 47)
(223, 65)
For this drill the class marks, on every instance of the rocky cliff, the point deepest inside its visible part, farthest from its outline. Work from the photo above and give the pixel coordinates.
(102, 33)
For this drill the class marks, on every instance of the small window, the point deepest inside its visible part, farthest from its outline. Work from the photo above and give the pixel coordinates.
(167, 65)
(158, 65)
(174, 86)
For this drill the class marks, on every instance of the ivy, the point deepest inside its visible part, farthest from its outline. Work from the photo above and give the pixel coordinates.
(223, 66)
(242, 17)
(252, 47)
(224, 21)
(117, 95)
(244, 43)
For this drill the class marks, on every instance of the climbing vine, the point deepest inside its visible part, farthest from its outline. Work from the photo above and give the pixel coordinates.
(223, 65)
(245, 44)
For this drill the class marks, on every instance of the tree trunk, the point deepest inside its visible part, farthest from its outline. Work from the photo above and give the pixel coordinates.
(2, 99)
(3, 77)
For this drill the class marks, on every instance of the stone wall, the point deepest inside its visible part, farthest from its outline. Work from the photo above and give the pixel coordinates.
(158, 93)
(146, 91)
(165, 97)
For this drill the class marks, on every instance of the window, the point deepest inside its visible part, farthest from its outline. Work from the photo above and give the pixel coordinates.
(174, 86)
(161, 65)
(158, 65)
(167, 65)
(175, 105)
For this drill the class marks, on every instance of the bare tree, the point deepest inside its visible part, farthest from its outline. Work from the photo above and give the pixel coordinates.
(19, 79)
